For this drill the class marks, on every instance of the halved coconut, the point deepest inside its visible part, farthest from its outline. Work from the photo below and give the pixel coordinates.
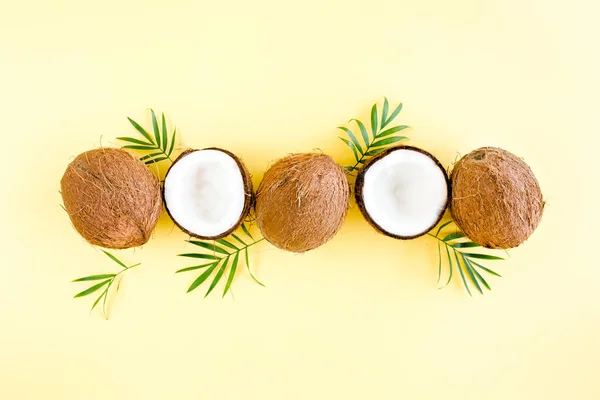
(402, 192)
(208, 193)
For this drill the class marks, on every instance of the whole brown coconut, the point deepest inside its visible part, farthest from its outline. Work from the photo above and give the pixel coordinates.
(302, 201)
(112, 198)
(496, 199)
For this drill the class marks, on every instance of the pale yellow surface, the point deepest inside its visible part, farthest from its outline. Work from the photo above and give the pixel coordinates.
(359, 318)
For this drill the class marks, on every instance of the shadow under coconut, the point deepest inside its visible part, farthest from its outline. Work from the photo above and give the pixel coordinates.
(165, 226)
(458, 262)
(376, 254)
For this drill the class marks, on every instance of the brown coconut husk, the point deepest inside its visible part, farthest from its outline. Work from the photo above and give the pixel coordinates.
(358, 190)
(302, 201)
(112, 198)
(496, 199)
(248, 192)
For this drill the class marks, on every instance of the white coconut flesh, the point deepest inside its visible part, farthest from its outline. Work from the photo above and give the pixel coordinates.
(205, 193)
(405, 192)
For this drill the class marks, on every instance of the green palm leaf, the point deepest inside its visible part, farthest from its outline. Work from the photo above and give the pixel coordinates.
(442, 227)
(115, 259)
(94, 277)
(439, 263)
(250, 272)
(353, 139)
(221, 257)
(172, 146)
(197, 255)
(108, 280)
(393, 115)
(375, 151)
(391, 131)
(386, 141)
(247, 232)
(452, 236)
(373, 146)
(195, 267)
(150, 156)
(470, 272)
(463, 245)
(135, 141)
(483, 256)
(155, 129)
(489, 271)
(158, 142)
(236, 237)
(209, 246)
(164, 132)
(92, 289)
(155, 160)
(136, 147)
(465, 263)
(228, 244)
(103, 294)
(231, 273)
(462, 275)
(140, 130)
(202, 278)
(384, 113)
(374, 120)
(363, 131)
(449, 266)
(352, 146)
(218, 276)
(477, 275)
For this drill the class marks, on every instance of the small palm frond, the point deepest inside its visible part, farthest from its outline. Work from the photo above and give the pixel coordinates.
(106, 282)
(464, 255)
(158, 147)
(219, 256)
(379, 138)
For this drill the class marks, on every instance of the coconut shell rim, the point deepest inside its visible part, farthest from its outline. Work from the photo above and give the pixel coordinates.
(358, 190)
(248, 194)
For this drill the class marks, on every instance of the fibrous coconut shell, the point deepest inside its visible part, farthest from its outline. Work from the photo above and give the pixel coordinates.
(496, 199)
(112, 198)
(302, 201)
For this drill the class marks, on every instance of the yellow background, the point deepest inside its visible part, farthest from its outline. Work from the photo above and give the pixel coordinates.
(359, 318)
